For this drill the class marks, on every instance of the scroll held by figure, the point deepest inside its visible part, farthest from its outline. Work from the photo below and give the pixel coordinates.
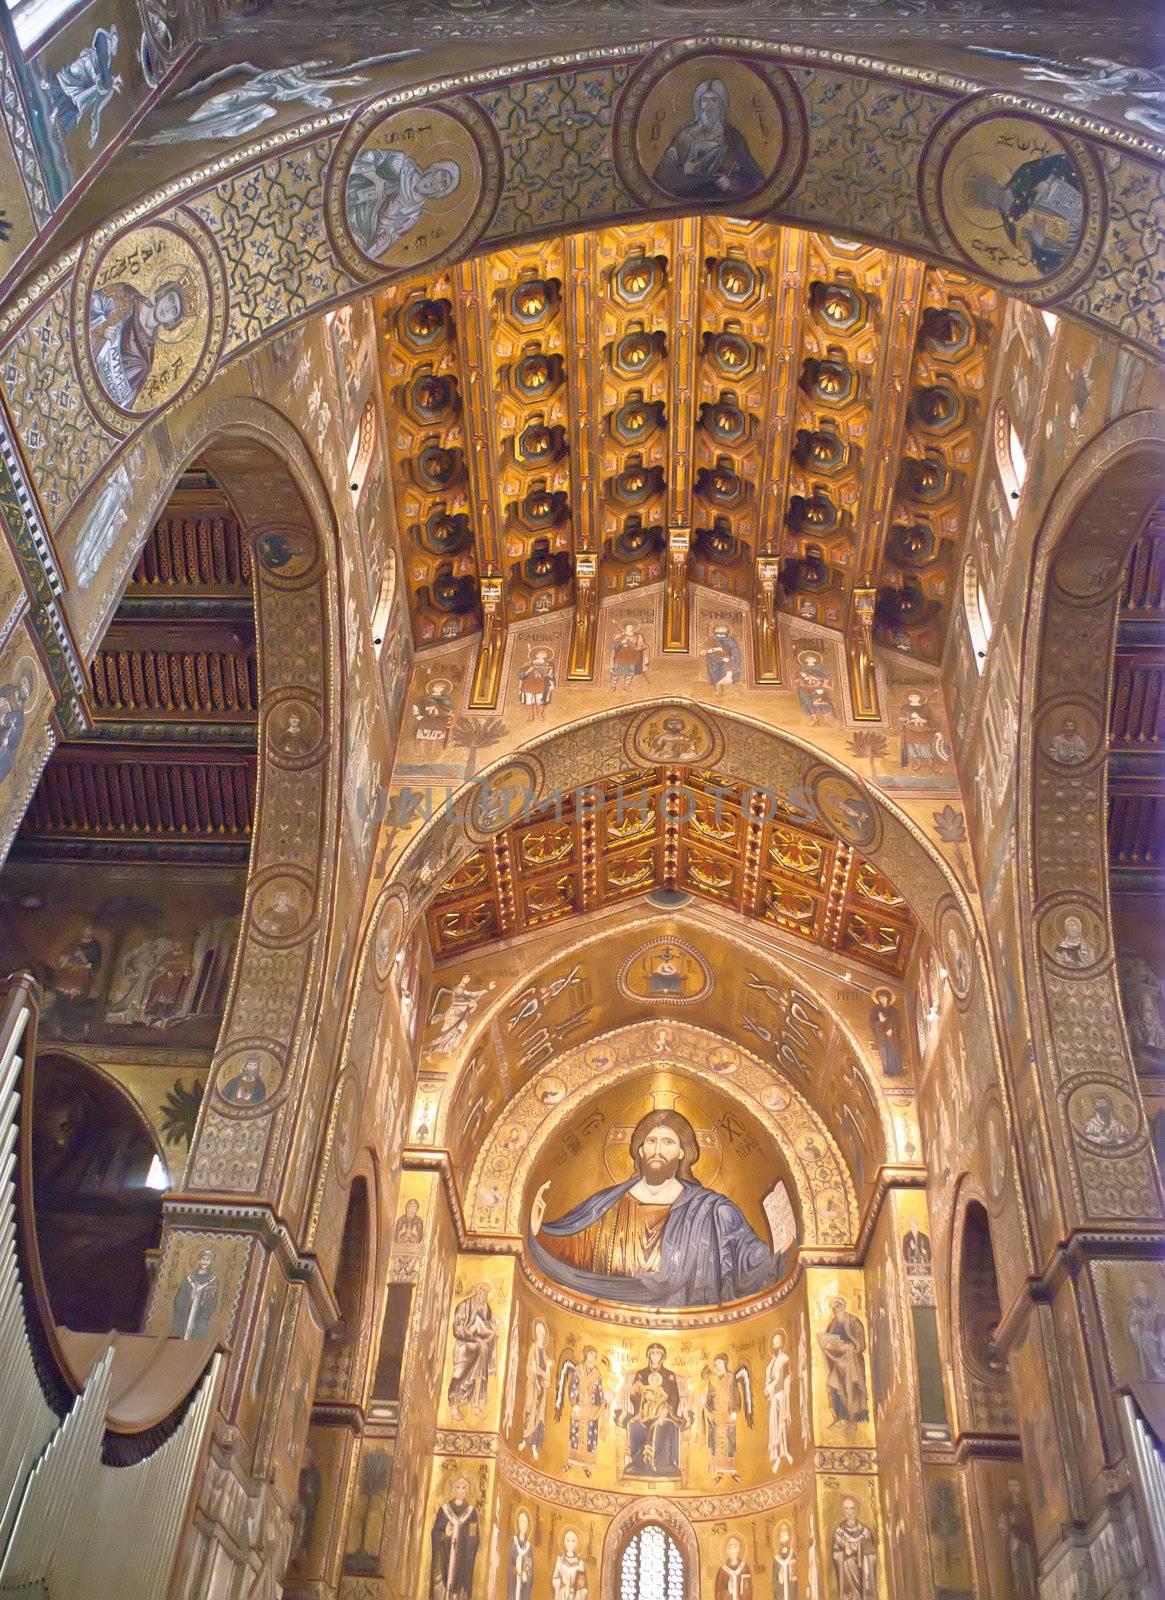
(660, 1238)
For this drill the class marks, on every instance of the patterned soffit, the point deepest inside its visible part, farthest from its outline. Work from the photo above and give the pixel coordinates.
(769, 412)
(1136, 776)
(168, 769)
(713, 840)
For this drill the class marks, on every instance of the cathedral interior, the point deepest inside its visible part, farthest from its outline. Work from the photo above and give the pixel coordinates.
(582, 678)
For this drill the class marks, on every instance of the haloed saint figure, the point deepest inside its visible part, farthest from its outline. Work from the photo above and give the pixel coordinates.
(709, 158)
(660, 1238)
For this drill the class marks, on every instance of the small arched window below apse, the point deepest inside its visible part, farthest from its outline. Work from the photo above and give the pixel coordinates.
(977, 611)
(1010, 458)
(651, 1566)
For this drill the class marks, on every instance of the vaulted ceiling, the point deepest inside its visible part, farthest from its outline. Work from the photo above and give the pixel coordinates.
(168, 768)
(772, 413)
(712, 837)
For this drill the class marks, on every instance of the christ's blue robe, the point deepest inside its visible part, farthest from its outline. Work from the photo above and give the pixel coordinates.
(709, 1253)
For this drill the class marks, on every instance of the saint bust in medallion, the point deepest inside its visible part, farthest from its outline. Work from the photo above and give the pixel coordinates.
(660, 1238)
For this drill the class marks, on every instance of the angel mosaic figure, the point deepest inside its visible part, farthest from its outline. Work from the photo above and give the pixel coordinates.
(86, 85)
(581, 1384)
(237, 112)
(726, 1395)
(453, 1009)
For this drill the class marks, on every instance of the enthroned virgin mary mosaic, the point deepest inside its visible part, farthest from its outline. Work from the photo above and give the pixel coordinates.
(660, 1237)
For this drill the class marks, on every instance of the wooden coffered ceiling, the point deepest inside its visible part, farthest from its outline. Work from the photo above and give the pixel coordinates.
(1136, 775)
(168, 769)
(637, 833)
(770, 412)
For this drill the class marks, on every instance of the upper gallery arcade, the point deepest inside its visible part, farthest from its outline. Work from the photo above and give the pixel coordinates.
(580, 712)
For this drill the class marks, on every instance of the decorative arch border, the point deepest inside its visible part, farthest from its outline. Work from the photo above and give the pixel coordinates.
(282, 185)
(582, 1084)
(623, 1527)
(1091, 524)
(780, 963)
(247, 1158)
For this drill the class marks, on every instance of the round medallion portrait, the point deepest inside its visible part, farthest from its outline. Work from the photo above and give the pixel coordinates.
(286, 553)
(1023, 204)
(1104, 1116)
(1072, 937)
(281, 907)
(954, 949)
(673, 735)
(1087, 574)
(993, 1151)
(844, 808)
(667, 971)
(1070, 735)
(347, 1123)
(249, 1078)
(416, 185)
(710, 128)
(295, 729)
(503, 796)
(149, 317)
(390, 921)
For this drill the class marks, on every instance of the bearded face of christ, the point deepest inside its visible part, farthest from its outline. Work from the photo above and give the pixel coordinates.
(663, 1146)
(660, 1155)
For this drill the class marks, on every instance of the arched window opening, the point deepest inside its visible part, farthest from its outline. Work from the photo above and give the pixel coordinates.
(361, 451)
(979, 1307)
(351, 1276)
(1010, 457)
(95, 1169)
(652, 1566)
(980, 623)
(382, 611)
